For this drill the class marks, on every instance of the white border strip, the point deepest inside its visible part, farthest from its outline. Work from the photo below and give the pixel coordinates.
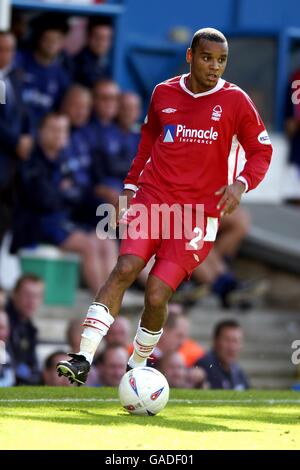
(179, 400)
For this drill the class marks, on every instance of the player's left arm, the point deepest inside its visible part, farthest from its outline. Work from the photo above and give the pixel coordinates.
(253, 137)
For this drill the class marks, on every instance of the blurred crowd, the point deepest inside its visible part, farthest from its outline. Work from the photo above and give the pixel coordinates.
(183, 361)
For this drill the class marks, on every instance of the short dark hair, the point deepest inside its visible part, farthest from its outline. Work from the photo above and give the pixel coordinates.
(27, 277)
(49, 361)
(209, 34)
(223, 325)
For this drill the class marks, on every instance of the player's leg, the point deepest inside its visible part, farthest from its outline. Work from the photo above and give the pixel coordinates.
(149, 331)
(100, 317)
(163, 280)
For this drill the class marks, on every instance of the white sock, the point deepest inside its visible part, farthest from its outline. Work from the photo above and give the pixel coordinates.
(97, 324)
(144, 343)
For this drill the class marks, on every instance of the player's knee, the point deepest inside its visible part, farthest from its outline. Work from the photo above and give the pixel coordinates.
(156, 298)
(125, 269)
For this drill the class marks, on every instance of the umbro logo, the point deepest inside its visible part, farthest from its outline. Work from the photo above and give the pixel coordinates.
(169, 110)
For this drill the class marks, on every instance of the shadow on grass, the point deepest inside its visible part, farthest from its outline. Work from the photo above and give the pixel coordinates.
(90, 418)
(269, 417)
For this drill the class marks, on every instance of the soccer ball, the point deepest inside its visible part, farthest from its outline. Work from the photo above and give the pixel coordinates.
(144, 391)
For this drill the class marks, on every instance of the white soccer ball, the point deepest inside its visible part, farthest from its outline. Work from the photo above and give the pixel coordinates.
(144, 391)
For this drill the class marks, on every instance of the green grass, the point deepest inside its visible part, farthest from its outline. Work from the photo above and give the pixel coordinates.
(219, 420)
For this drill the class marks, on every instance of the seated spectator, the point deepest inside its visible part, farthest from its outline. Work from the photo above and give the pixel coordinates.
(178, 375)
(22, 306)
(92, 63)
(119, 333)
(45, 79)
(7, 374)
(77, 106)
(175, 338)
(215, 270)
(128, 118)
(49, 374)
(171, 365)
(47, 195)
(3, 298)
(221, 363)
(111, 365)
(110, 164)
(15, 141)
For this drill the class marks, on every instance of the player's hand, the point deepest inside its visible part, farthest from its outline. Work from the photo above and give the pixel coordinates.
(120, 208)
(231, 197)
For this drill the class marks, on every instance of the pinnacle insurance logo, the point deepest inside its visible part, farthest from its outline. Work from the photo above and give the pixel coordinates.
(181, 133)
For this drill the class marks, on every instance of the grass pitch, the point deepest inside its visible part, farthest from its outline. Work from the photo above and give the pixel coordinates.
(92, 418)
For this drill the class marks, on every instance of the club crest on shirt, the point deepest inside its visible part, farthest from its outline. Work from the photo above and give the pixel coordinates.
(216, 113)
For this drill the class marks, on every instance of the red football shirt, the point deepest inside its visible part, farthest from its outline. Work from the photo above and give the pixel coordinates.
(190, 143)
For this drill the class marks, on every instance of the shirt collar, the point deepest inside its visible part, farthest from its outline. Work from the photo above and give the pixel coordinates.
(219, 85)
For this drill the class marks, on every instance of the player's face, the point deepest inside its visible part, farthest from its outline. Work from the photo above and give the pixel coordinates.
(207, 63)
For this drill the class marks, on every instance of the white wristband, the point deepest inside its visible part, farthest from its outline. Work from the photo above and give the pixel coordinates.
(243, 180)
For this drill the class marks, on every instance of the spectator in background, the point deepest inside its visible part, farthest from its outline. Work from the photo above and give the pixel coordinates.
(23, 305)
(107, 142)
(175, 338)
(111, 365)
(177, 374)
(92, 63)
(221, 363)
(45, 78)
(171, 365)
(49, 374)
(48, 193)
(7, 375)
(119, 333)
(128, 118)
(215, 272)
(77, 106)
(15, 141)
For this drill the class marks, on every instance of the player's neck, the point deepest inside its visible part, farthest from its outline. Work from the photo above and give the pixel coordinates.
(195, 87)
